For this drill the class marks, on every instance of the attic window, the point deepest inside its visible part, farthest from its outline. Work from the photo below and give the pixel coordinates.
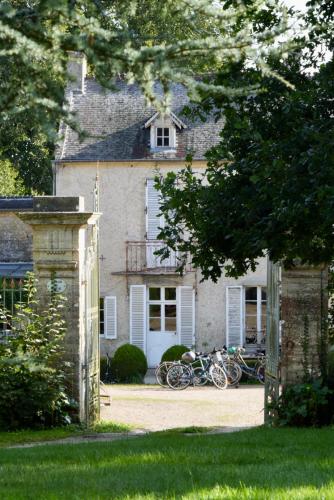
(163, 137)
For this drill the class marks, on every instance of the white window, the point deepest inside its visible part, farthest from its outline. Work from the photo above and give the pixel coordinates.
(255, 314)
(163, 137)
(245, 315)
(108, 317)
(162, 309)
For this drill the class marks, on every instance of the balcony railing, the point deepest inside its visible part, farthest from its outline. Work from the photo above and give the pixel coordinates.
(140, 257)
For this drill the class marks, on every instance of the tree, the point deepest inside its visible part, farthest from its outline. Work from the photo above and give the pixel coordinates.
(269, 185)
(147, 41)
(10, 184)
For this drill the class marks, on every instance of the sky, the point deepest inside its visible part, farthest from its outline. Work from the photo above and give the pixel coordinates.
(299, 4)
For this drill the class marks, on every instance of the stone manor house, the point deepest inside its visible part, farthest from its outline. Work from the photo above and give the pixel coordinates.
(142, 298)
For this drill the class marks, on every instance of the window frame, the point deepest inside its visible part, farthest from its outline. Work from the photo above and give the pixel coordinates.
(162, 303)
(260, 331)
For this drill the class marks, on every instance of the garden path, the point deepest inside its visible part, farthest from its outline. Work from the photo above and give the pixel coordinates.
(154, 408)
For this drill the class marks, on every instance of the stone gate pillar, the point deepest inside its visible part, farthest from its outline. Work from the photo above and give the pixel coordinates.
(65, 247)
(304, 313)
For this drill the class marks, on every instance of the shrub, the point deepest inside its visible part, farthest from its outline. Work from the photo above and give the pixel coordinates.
(32, 376)
(303, 405)
(174, 353)
(129, 364)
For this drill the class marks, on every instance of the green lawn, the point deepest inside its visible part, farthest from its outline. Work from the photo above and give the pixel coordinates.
(32, 436)
(254, 464)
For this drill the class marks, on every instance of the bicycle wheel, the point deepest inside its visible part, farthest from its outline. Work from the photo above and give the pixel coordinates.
(218, 376)
(260, 372)
(233, 372)
(199, 376)
(161, 373)
(178, 377)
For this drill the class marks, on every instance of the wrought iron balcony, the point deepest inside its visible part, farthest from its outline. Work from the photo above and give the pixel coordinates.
(140, 257)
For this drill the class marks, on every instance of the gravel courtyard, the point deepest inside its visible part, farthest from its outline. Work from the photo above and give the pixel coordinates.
(154, 408)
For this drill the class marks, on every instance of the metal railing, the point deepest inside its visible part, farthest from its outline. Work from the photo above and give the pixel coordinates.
(11, 292)
(140, 257)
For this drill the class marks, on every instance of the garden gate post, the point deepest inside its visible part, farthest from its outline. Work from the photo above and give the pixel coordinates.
(65, 247)
(304, 315)
(272, 374)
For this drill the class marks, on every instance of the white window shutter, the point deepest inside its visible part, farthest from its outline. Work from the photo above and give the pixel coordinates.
(110, 317)
(153, 220)
(186, 315)
(234, 316)
(138, 316)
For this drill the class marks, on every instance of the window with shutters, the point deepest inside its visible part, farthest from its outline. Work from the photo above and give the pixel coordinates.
(245, 315)
(108, 317)
(154, 219)
(162, 309)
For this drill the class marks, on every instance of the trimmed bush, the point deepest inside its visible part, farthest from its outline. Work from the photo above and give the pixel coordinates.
(129, 364)
(174, 353)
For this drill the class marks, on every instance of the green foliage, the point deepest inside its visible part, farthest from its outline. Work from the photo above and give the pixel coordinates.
(129, 364)
(304, 405)
(269, 185)
(10, 183)
(174, 353)
(32, 373)
(36, 38)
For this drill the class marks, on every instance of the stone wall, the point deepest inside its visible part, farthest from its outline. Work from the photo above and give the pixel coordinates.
(304, 311)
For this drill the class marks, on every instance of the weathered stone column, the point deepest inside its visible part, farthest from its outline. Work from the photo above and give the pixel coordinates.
(62, 246)
(304, 313)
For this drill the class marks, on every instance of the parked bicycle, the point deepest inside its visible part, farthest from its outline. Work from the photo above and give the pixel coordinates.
(257, 371)
(200, 369)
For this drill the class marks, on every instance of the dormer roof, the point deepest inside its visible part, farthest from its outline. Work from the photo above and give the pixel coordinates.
(177, 122)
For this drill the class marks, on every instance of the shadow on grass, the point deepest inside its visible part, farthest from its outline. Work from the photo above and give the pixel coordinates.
(258, 463)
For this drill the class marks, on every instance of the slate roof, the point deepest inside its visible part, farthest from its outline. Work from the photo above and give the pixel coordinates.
(114, 122)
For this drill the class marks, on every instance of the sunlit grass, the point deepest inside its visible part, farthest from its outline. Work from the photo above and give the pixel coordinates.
(32, 436)
(256, 464)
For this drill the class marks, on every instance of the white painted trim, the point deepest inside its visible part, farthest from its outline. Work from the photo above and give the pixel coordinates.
(242, 330)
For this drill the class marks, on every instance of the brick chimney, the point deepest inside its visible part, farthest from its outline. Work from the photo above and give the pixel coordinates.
(77, 71)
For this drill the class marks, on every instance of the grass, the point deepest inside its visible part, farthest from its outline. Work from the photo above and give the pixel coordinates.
(33, 436)
(261, 463)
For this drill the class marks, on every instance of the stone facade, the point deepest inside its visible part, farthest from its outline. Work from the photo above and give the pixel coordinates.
(304, 313)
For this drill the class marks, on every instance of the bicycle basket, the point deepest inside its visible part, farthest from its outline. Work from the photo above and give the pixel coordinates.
(231, 350)
(189, 357)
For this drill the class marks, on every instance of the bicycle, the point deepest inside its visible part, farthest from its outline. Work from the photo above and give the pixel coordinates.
(258, 371)
(181, 376)
(231, 367)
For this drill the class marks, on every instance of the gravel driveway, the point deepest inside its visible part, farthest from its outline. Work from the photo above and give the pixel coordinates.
(154, 408)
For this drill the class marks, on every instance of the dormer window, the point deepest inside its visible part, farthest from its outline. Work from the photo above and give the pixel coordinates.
(163, 137)
(163, 129)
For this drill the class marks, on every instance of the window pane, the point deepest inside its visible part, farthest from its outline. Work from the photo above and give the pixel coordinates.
(101, 316)
(159, 141)
(263, 312)
(170, 293)
(251, 323)
(166, 132)
(170, 324)
(264, 293)
(155, 325)
(251, 293)
(170, 311)
(155, 310)
(154, 293)
(251, 308)
(166, 141)
(159, 132)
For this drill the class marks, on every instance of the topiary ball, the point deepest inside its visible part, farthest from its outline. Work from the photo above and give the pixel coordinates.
(174, 353)
(129, 364)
